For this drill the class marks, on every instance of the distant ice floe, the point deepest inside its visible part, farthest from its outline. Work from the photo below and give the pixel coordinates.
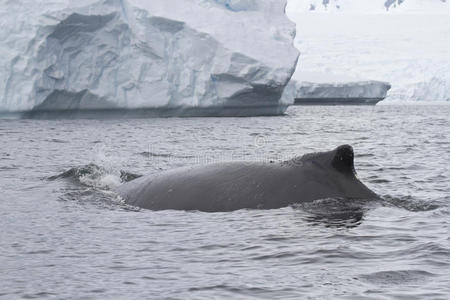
(320, 88)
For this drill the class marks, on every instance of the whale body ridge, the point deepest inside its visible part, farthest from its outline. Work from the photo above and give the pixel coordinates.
(237, 185)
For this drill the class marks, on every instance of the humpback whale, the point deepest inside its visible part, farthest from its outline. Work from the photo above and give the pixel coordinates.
(232, 186)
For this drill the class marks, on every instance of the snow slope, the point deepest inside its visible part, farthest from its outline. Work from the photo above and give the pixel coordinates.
(369, 6)
(406, 44)
(89, 54)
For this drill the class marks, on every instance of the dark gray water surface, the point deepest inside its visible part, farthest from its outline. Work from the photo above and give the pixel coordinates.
(67, 235)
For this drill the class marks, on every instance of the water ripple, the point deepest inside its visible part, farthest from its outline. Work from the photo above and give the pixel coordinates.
(65, 235)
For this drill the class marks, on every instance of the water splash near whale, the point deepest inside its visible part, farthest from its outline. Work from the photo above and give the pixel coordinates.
(98, 177)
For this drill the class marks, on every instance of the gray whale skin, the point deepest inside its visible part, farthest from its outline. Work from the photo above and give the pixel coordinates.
(237, 185)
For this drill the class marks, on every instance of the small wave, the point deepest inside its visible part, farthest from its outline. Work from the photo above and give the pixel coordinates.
(376, 179)
(165, 155)
(246, 291)
(99, 197)
(336, 212)
(397, 277)
(154, 154)
(281, 255)
(364, 155)
(57, 141)
(410, 203)
(96, 176)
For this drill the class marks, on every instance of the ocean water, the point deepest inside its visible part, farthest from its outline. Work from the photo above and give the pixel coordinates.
(64, 234)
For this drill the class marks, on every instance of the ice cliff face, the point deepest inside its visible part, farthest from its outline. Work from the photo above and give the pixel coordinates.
(90, 54)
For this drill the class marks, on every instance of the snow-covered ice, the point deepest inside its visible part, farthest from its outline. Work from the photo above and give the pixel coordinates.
(90, 54)
(369, 6)
(320, 88)
(406, 43)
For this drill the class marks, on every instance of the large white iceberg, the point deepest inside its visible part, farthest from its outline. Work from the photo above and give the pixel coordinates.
(95, 54)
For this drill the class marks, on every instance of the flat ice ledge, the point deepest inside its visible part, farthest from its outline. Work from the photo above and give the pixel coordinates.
(325, 89)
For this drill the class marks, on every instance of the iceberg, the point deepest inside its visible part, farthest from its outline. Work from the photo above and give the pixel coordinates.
(134, 54)
(332, 89)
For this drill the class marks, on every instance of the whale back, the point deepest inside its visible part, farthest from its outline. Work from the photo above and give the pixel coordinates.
(237, 185)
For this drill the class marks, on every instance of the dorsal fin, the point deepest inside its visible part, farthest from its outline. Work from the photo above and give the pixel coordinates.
(343, 159)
